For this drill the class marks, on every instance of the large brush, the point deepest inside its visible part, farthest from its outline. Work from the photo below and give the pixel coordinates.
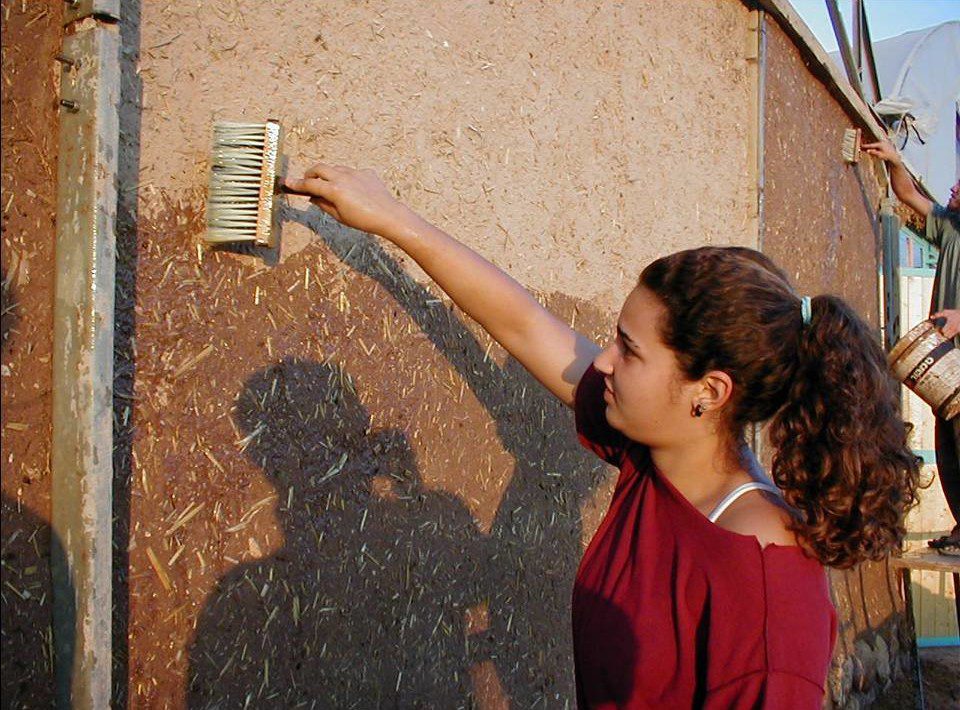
(850, 149)
(243, 183)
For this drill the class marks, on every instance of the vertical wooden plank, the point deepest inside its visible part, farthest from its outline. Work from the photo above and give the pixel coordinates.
(81, 456)
(927, 294)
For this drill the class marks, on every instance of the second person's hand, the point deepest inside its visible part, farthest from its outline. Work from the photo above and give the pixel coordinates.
(951, 322)
(884, 149)
(355, 198)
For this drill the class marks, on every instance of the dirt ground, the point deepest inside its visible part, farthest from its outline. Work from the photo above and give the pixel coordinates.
(940, 670)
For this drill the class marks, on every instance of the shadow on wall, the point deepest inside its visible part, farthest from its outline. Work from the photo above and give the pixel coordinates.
(124, 362)
(874, 663)
(881, 672)
(366, 599)
(385, 592)
(30, 551)
(26, 665)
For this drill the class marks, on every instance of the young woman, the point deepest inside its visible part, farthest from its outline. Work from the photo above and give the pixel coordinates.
(704, 584)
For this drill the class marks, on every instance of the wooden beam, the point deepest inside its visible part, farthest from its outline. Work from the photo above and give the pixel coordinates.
(82, 448)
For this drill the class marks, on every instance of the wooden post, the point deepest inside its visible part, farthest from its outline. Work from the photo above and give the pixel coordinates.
(82, 449)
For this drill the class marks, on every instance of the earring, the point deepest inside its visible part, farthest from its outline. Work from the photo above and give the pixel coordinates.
(698, 410)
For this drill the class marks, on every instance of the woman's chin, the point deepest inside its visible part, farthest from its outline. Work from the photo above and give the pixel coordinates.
(611, 416)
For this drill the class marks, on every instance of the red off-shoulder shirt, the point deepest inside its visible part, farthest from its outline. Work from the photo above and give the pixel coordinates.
(672, 611)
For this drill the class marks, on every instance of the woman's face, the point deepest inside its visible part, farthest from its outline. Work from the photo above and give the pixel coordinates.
(648, 399)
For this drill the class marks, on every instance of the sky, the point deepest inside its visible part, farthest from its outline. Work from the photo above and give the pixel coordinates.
(885, 18)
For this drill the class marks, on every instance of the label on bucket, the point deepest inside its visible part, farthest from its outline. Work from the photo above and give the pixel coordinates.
(929, 361)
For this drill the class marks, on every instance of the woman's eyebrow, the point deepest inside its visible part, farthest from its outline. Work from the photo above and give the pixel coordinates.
(626, 338)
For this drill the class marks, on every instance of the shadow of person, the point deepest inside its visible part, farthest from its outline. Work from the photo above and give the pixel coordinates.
(35, 562)
(29, 550)
(364, 603)
(536, 536)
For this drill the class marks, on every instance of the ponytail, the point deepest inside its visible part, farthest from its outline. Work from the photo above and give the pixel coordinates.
(842, 459)
(816, 373)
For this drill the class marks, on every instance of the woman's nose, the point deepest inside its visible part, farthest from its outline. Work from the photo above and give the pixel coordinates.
(604, 360)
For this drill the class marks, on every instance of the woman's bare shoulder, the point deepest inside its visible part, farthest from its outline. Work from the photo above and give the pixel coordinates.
(759, 514)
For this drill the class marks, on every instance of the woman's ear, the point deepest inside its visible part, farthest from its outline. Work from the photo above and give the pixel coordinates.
(716, 389)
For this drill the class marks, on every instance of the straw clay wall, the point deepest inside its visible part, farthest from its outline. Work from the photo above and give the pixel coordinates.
(338, 487)
(330, 484)
(30, 40)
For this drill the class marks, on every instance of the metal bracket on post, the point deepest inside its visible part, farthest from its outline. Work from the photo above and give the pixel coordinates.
(79, 9)
(82, 450)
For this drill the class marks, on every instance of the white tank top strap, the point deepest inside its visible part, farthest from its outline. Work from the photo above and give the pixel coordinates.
(739, 491)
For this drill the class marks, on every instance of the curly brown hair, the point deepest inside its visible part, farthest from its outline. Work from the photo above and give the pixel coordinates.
(841, 454)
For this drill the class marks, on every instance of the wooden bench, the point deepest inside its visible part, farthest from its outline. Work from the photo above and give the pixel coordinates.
(928, 559)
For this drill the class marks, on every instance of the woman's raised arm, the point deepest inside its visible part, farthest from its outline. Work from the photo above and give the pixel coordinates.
(547, 347)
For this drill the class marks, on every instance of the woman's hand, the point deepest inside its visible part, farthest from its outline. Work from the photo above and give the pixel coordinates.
(356, 198)
(951, 326)
(884, 150)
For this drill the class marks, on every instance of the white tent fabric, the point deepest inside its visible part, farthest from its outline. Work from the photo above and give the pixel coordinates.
(919, 74)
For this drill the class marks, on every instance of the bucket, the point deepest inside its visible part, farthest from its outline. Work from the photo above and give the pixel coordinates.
(929, 365)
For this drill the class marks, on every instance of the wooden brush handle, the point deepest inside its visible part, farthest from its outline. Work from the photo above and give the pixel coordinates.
(282, 188)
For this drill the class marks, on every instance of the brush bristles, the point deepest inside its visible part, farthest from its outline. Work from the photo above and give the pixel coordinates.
(851, 145)
(242, 176)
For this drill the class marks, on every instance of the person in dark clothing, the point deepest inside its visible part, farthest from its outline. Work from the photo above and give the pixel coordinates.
(943, 231)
